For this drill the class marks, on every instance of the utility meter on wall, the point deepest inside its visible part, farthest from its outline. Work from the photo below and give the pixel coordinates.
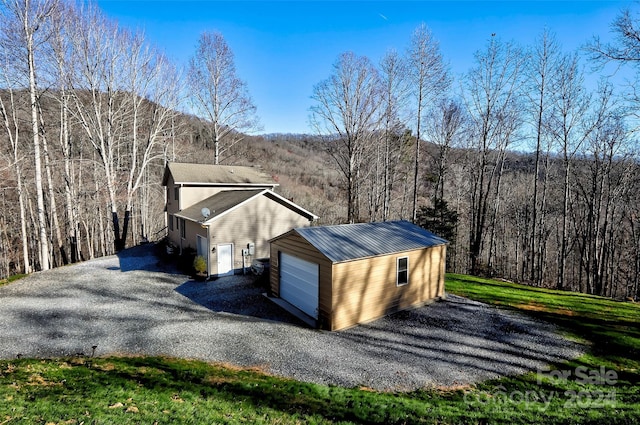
(252, 248)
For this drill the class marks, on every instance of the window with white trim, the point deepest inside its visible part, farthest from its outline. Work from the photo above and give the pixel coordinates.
(402, 271)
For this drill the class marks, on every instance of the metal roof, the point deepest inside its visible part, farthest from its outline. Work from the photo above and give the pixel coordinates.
(208, 174)
(218, 204)
(352, 241)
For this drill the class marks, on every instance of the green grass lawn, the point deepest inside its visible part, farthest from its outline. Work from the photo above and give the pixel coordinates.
(601, 387)
(9, 280)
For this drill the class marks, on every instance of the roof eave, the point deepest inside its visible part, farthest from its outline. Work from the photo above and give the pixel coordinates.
(227, 184)
(311, 216)
(235, 207)
(184, 217)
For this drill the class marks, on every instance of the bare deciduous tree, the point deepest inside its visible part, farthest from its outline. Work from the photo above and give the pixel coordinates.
(12, 128)
(346, 111)
(495, 117)
(444, 125)
(99, 99)
(569, 130)
(543, 68)
(626, 47)
(429, 80)
(218, 95)
(26, 25)
(394, 101)
(124, 96)
(62, 58)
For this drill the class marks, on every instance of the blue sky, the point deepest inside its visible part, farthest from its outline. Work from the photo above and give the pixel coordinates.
(283, 48)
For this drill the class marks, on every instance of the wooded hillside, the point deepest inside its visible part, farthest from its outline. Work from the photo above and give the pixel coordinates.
(530, 170)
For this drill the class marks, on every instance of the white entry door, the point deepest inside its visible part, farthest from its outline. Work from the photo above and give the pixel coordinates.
(225, 259)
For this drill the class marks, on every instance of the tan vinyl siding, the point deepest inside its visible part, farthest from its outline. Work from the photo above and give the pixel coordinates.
(192, 195)
(191, 231)
(257, 221)
(365, 289)
(294, 244)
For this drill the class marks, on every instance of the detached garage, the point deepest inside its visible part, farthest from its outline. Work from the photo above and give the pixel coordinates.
(343, 275)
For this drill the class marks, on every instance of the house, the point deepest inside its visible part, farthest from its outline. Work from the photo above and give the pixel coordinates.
(339, 276)
(226, 213)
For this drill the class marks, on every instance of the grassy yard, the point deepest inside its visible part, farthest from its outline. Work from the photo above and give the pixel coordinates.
(600, 387)
(11, 279)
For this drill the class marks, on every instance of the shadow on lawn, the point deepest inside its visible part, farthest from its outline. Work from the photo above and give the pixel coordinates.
(614, 341)
(611, 327)
(186, 378)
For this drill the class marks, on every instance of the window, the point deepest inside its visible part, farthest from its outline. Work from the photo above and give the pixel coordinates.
(402, 275)
(176, 193)
(168, 195)
(183, 230)
(170, 222)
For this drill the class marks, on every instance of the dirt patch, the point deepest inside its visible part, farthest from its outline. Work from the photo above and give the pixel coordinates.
(544, 309)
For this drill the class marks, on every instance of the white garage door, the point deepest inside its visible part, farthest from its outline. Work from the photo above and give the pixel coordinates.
(299, 283)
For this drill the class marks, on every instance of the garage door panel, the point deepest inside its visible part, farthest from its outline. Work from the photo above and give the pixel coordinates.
(304, 275)
(307, 291)
(299, 283)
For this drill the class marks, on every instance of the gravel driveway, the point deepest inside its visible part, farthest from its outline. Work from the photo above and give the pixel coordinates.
(134, 304)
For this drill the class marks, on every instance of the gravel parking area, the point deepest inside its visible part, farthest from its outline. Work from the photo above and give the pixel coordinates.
(135, 304)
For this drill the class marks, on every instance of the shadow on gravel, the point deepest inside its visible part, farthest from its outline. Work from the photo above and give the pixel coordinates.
(462, 335)
(236, 295)
(146, 257)
(126, 304)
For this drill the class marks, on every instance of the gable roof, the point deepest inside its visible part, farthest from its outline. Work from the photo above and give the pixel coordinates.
(218, 204)
(212, 175)
(352, 241)
(228, 200)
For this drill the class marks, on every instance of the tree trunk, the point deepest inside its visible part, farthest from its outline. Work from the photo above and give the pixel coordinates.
(13, 136)
(52, 199)
(216, 151)
(562, 256)
(386, 176)
(416, 163)
(42, 222)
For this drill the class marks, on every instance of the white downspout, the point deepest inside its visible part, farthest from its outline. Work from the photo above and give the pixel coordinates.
(208, 252)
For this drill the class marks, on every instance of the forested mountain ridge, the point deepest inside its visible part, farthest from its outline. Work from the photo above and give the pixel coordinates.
(91, 113)
(306, 172)
(603, 204)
